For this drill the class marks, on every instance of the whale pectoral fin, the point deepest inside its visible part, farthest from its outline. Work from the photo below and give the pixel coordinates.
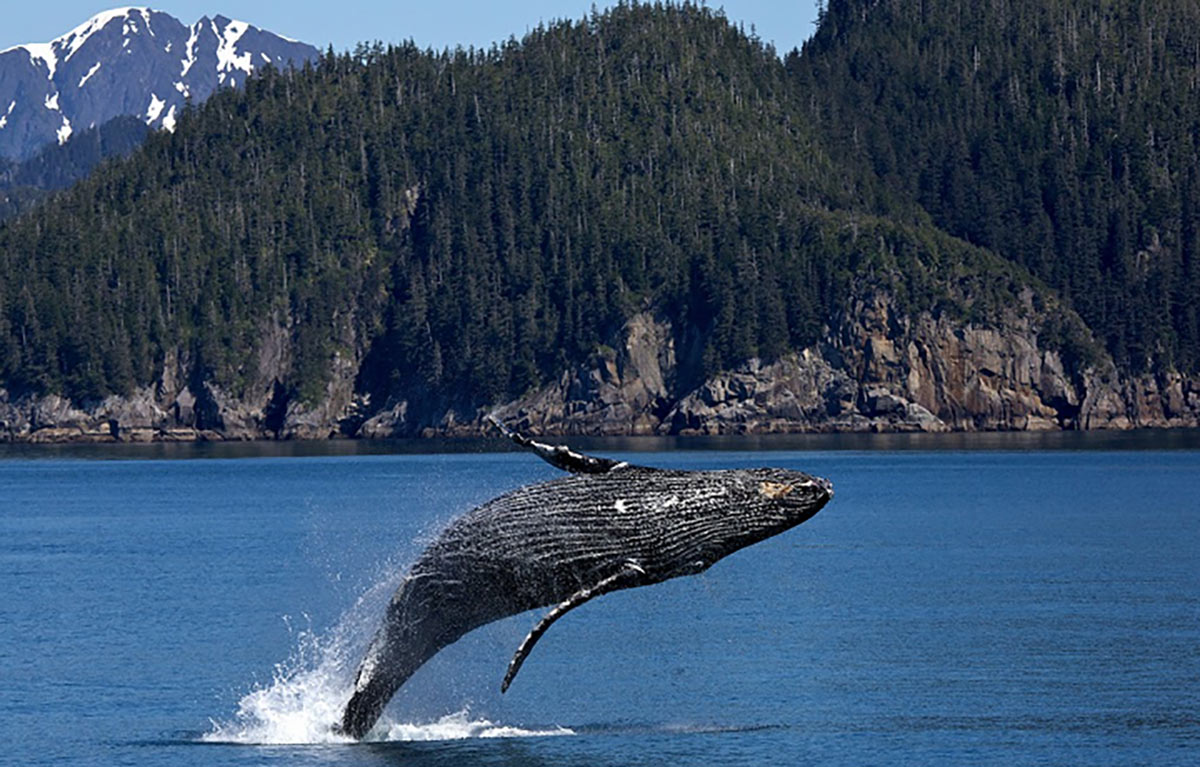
(629, 575)
(560, 456)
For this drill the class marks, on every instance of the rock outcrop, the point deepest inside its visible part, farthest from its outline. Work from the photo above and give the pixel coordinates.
(180, 409)
(876, 369)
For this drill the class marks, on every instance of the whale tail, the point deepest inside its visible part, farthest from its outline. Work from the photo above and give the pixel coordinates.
(364, 709)
(412, 633)
(388, 663)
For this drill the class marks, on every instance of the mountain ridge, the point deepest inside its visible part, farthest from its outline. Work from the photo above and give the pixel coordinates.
(127, 61)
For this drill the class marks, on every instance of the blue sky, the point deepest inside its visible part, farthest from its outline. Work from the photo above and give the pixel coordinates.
(436, 23)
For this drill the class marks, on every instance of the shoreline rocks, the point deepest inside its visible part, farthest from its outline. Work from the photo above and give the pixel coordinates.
(876, 370)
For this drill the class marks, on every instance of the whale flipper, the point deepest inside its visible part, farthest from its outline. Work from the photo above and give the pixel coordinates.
(629, 575)
(560, 456)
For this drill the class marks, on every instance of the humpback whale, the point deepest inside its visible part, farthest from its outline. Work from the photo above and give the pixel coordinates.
(607, 525)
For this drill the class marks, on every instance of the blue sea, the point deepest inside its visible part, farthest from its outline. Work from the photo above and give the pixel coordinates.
(998, 600)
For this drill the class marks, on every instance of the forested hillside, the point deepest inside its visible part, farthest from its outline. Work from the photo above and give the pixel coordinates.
(413, 236)
(492, 213)
(1064, 135)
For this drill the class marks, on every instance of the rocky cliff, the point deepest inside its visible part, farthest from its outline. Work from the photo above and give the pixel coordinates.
(877, 369)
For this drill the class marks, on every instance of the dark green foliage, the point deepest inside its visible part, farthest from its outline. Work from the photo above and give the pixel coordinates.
(1064, 135)
(470, 221)
(476, 219)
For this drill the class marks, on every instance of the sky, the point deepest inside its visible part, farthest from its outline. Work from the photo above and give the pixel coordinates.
(430, 23)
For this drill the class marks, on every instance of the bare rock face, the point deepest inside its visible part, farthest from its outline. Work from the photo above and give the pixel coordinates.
(178, 409)
(1171, 400)
(618, 391)
(55, 419)
(323, 420)
(799, 392)
(391, 421)
(966, 377)
(876, 369)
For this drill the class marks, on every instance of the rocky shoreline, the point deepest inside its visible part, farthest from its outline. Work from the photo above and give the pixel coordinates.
(876, 370)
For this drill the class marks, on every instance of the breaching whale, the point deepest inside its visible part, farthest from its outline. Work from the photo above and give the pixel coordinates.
(609, 525)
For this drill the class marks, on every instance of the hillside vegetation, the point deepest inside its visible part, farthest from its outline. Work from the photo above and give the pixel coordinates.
(464, 226)
(1063, 135)
(475, 218)
(24, 184)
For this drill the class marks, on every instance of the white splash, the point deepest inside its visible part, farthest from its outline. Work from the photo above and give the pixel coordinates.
(459, 726)
(308, 692)
(299, 706)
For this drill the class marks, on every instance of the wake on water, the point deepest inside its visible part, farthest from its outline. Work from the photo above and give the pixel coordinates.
(309, 690)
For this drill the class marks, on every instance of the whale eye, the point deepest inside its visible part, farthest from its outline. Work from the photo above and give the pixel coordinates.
(775, 490)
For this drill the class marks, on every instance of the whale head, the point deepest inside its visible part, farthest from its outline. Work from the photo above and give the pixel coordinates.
(791, 497)
(735, 509)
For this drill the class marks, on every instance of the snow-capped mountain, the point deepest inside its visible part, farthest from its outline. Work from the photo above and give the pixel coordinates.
(127, 61)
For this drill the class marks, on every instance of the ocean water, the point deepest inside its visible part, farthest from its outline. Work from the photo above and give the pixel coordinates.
(1013, 604)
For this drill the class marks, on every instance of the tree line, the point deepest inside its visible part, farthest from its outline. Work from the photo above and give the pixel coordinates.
(1063, 135)
(470, 222)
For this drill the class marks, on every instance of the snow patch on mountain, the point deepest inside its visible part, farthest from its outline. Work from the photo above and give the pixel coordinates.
(75, 39)
(43, 52)
(95, 68)
(228, 58)
(139, 73)
(190, 59)
(155, 108)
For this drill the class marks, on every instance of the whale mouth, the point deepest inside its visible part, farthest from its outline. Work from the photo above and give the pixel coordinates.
(827, 486)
